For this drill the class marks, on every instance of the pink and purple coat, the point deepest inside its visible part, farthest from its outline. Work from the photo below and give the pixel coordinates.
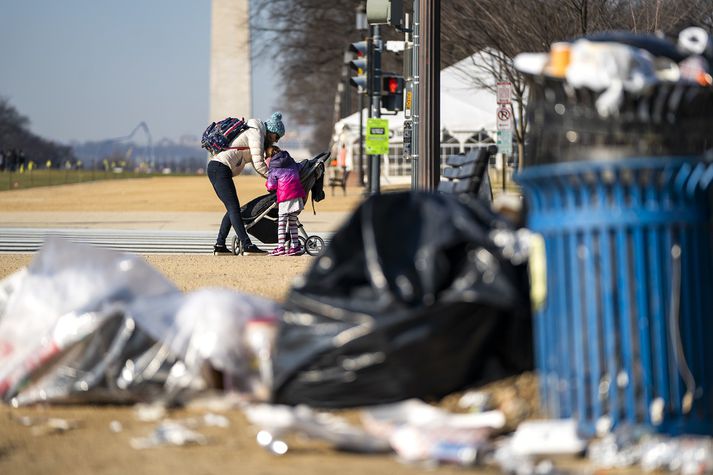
(284, 176)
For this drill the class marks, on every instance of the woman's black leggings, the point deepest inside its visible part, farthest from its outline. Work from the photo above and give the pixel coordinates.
(221, 178)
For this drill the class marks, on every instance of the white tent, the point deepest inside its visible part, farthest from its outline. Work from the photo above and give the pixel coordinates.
(465, 110)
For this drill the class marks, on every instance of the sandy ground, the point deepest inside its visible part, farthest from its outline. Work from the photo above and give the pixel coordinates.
(165, 203)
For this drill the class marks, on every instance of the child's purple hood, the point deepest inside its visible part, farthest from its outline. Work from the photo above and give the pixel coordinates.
(282, 159)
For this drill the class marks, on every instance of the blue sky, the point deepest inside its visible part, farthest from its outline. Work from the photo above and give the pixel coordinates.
(90, 70)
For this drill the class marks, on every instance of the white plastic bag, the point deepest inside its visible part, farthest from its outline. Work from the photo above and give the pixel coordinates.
(83, 324)
(67, 291)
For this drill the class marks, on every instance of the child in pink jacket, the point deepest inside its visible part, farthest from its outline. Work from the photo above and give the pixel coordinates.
(284, 177)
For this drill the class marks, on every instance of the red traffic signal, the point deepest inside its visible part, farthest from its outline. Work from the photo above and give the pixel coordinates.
(392, 92)
(392, 85)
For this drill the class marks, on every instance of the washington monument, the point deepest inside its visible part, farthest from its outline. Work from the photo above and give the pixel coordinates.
(230, 84)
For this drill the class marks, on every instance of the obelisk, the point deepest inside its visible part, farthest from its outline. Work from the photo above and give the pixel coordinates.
(230, 83)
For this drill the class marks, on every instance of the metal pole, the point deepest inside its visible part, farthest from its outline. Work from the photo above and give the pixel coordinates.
(376, 106)
(369, 93)
(415, 87)
(360, 158)
(408, 88)
(505, 165)
(429, 92)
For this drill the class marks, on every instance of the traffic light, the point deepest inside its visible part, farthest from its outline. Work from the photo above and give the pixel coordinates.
(392, 92)
(360, 65)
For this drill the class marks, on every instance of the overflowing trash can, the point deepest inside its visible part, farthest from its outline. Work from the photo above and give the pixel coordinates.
(617, 181)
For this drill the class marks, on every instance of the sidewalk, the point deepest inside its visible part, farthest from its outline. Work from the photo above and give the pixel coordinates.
(323, 221)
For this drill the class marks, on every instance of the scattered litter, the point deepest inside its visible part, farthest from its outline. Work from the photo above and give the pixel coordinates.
(149, 412)
(267, 441)
(510, 462)
(630, 446)
(277, 421)
(475, 401)
(687, 455)
(215, 420)
(116, 427)
(44, 425)
(547, 437)
(55, 426)
(419, 432)
(169, 433)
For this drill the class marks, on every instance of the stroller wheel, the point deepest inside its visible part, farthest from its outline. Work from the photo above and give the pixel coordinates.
(314, 245)
(237, 246)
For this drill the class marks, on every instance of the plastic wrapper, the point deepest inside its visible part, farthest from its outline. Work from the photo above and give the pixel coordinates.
(215, 329)
(420, 432)
(68, 293)
(92, 325)
(278, 421)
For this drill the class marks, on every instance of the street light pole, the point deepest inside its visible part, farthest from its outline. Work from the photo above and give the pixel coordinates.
(429, 91)
(360, 159)
(375, 80)
(361, 25)
(415, 83)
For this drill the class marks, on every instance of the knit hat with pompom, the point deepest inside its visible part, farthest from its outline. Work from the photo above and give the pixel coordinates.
(274, 124)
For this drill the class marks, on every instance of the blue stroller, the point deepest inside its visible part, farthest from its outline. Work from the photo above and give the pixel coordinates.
(260, 214)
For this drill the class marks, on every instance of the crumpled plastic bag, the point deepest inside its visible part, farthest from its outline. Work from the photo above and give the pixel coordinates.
(231, 332)
(83, 324)
(611, 67)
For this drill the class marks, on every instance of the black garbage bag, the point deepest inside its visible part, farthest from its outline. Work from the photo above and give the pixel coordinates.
(411, 299)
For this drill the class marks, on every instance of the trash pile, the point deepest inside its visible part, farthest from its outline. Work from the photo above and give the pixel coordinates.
(616, 176)
(382, 322)
(87, 325)
(614, 94)
(615, 62)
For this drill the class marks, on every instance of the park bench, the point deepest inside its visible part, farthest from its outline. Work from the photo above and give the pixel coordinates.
(337, 177)
(468, 174)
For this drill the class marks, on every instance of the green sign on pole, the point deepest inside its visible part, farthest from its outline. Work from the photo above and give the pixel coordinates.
(505, 142)
(377, 136)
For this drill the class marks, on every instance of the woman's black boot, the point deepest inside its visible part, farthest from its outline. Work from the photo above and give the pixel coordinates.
(219, 249)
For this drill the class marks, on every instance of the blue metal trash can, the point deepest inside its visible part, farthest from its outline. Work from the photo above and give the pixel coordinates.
(625, 334)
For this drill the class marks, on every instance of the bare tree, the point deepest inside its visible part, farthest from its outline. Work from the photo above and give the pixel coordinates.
(308, 38)
(495, 31)
(15, 134)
